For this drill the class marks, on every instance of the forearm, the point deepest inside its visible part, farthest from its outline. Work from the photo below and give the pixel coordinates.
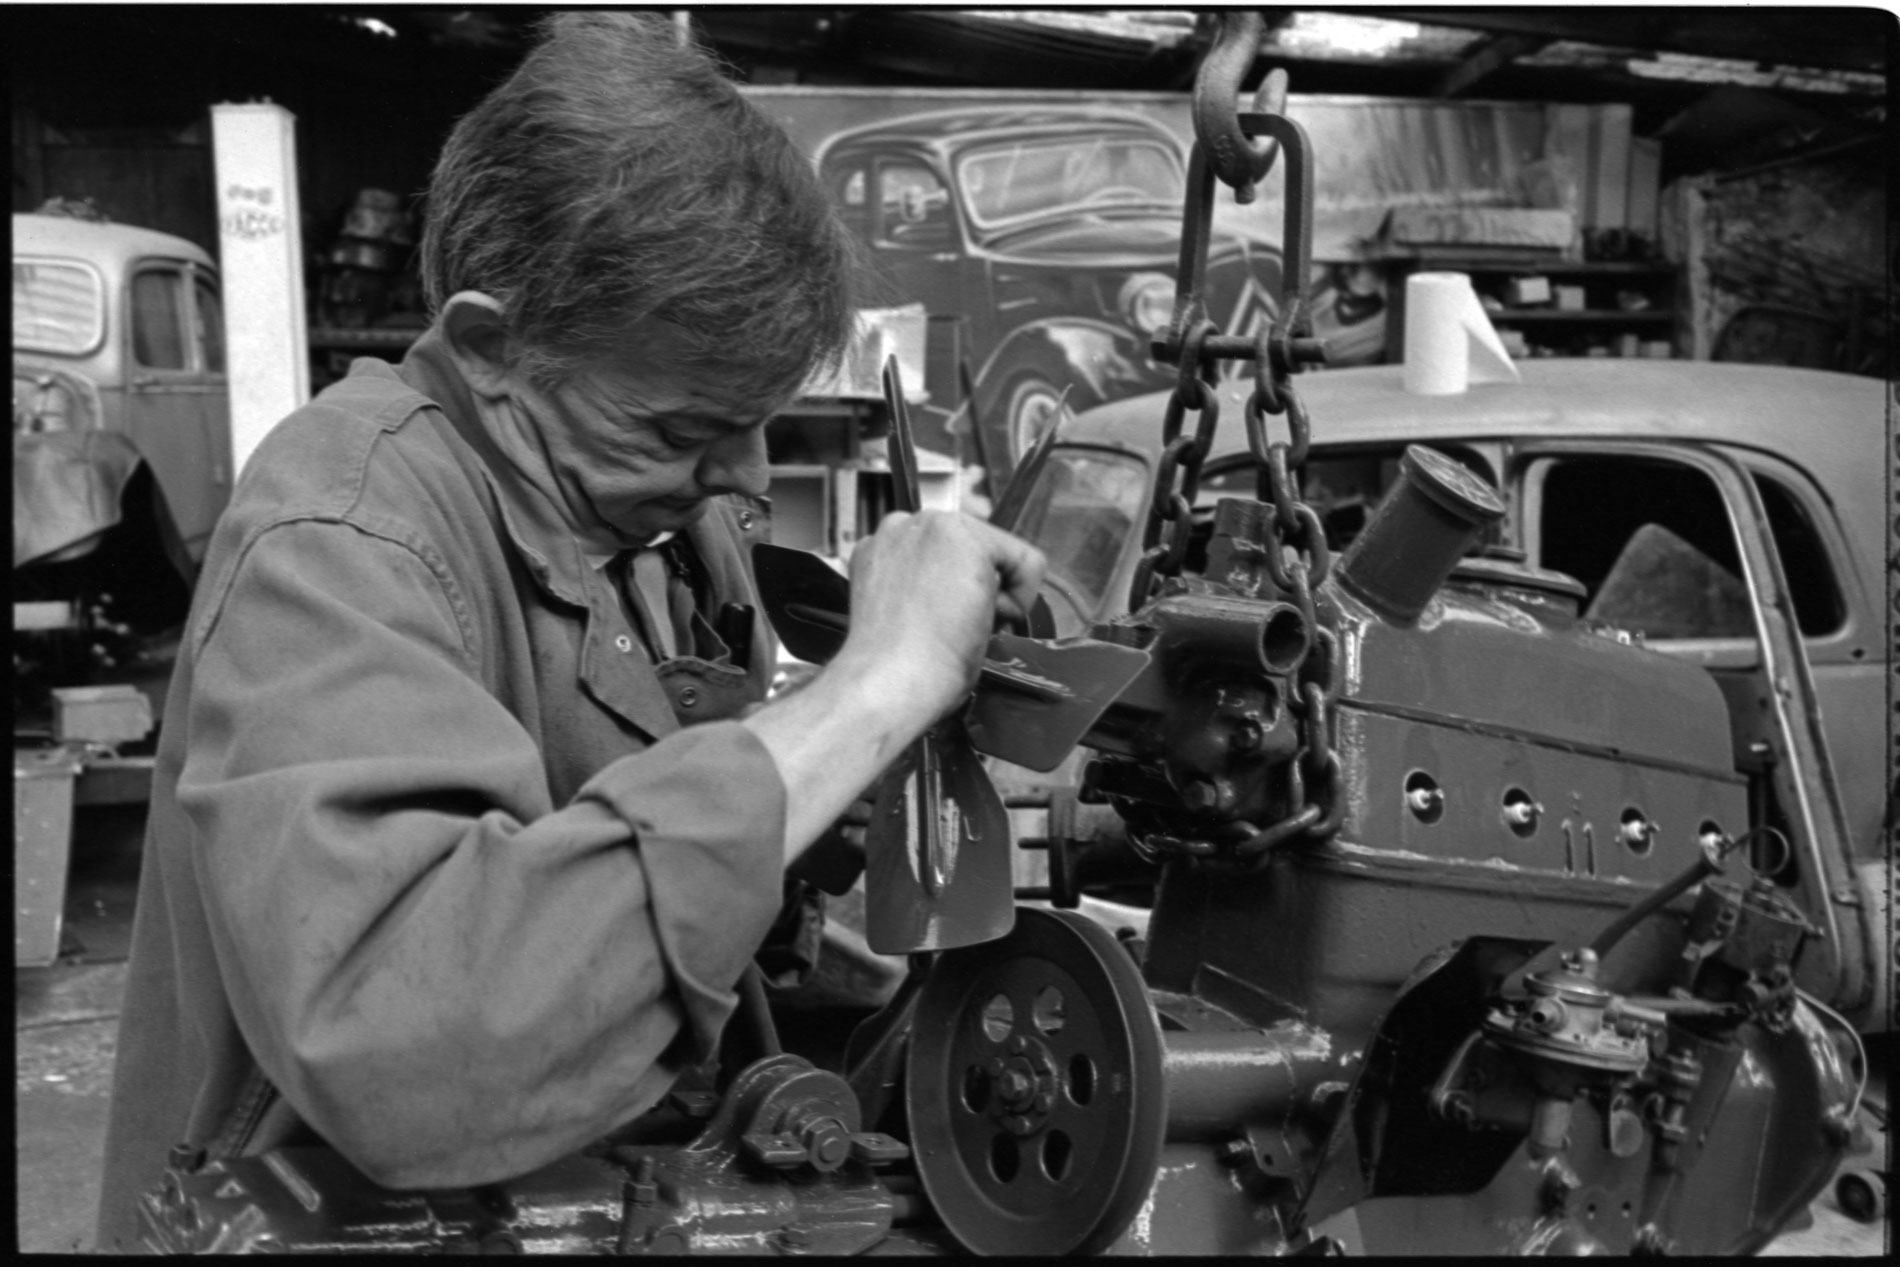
(833, 737)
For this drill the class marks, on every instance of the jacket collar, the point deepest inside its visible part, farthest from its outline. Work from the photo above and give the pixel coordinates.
(551, 553)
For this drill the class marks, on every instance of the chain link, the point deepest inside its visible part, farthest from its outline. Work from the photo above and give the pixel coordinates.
(1297, 557)
(1177, 477)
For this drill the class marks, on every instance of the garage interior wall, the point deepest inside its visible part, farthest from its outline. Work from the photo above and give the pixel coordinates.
(116, 109)
(113, 107)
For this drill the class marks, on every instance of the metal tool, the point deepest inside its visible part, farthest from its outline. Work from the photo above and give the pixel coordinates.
(937, 850)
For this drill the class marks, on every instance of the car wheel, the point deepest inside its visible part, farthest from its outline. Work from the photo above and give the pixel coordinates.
(1030, 407)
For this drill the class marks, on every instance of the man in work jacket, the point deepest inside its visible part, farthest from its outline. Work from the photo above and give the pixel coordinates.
(465, 823)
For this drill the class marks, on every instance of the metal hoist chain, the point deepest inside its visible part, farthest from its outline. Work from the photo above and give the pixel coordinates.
(1297, 557)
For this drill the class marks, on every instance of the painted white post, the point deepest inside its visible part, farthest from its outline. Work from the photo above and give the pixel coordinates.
(255, 149)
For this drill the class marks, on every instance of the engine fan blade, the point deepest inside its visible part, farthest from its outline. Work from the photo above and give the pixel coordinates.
(937, 851)
(808, 603)
(1036, 699)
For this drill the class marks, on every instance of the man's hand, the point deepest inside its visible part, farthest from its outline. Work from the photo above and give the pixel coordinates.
(924, 595)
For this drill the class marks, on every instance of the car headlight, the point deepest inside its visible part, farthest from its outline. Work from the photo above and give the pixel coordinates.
(47, 403)
(1147, 302)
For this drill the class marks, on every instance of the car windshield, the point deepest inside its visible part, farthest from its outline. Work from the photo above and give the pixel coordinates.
(1080, 513)
(1009, 183)
(57, 307)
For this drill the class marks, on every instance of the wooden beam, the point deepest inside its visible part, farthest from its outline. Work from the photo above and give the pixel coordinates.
(1486, 56)
(1842, 38)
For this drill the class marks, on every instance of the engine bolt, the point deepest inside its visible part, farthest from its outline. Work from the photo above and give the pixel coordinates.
(1522, 813)
(1209, 796)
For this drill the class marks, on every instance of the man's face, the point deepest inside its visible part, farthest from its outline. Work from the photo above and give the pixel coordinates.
(642, 449)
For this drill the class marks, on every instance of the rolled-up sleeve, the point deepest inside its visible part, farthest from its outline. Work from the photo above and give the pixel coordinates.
(450, 978)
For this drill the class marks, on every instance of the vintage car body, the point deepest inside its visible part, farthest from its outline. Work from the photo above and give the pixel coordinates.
(1587, 453)
(119, 329)
(1053, 231)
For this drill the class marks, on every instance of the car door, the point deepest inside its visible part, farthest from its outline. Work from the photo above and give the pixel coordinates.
(1720, 562)
(177, 407)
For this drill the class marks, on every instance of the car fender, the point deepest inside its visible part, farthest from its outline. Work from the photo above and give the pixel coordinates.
(70, 488)
(1104, 361)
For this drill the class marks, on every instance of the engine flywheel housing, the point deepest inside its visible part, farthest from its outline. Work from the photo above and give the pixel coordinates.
(1035, 1089)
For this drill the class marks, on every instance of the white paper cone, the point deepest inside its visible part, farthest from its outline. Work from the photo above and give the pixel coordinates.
(1449, 341)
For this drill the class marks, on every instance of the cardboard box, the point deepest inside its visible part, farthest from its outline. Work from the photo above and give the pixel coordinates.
(1540, 228)
(1521, 292)
(1569, 298)
(101, 714)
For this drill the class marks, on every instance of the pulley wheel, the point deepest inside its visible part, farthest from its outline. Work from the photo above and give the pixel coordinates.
(1036, 1098)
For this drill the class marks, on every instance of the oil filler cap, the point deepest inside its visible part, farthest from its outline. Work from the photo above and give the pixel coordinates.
(1434, 512)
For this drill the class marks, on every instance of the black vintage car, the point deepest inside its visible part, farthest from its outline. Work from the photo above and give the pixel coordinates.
(1053, 231)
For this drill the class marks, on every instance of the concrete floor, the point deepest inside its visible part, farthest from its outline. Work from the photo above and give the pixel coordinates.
(66, 1023)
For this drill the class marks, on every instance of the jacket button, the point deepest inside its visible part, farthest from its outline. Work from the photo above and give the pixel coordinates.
(689, 696)
(623, 644)
(745, 520)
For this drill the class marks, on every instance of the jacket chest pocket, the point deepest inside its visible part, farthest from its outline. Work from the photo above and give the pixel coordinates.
(701, 691)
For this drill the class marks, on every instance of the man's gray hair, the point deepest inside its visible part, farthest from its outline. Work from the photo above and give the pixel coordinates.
(618, 175)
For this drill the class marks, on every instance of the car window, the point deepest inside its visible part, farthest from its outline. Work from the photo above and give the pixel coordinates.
(1010, 183)
(1655, 549)
(1342, 485)
(1082, 511)
(849, 200)
(913, 206)
(1818, 605)
(57, 307)
(208, 323)
(1650, 541)
(158, 331)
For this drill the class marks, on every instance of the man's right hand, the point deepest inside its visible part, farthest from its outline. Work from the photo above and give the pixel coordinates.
(925, 589)
(924, 594)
